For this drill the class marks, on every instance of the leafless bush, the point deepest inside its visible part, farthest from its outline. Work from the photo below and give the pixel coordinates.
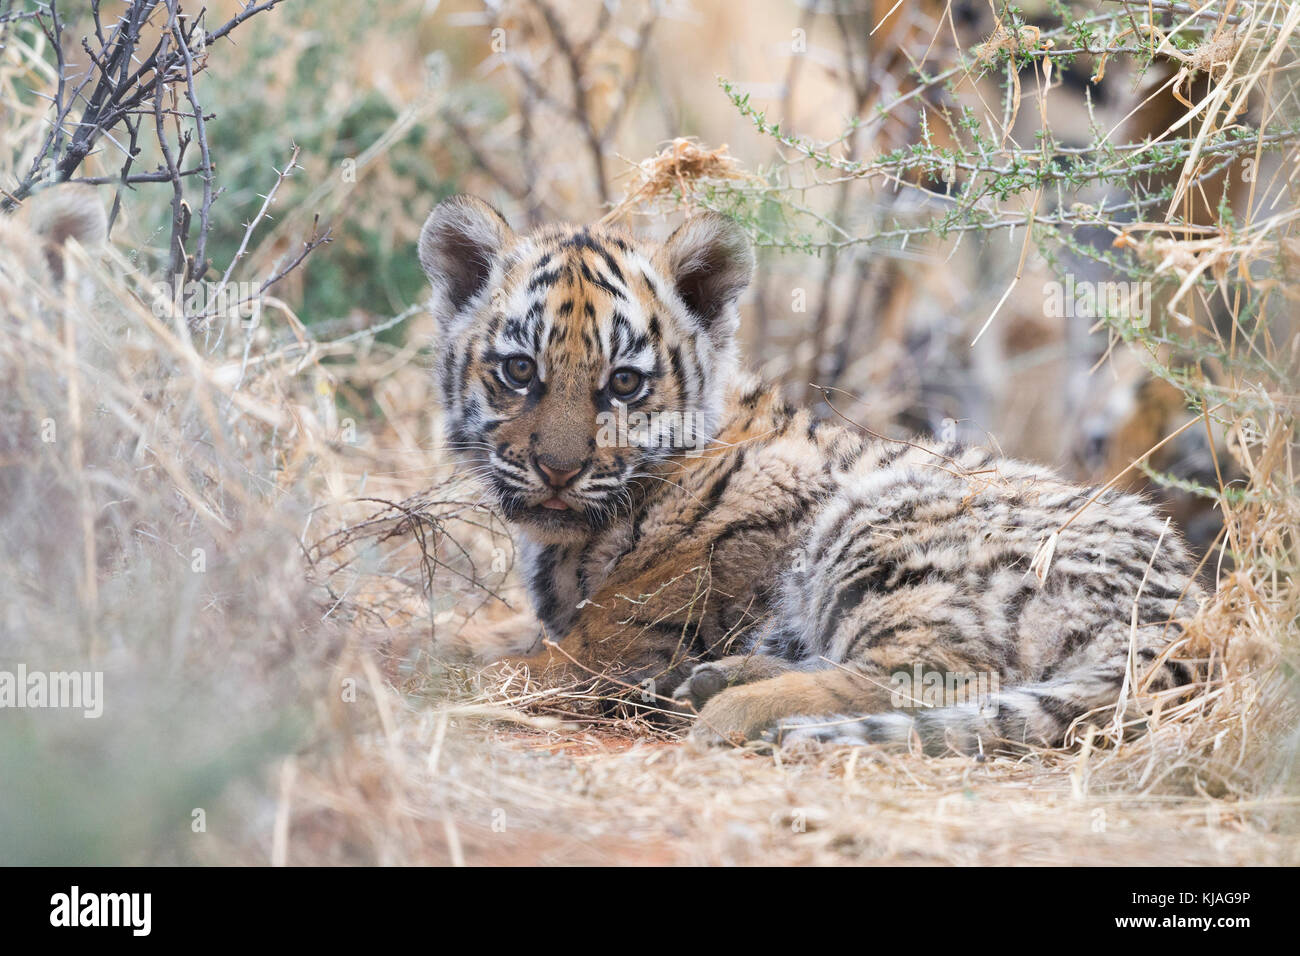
(130, 88)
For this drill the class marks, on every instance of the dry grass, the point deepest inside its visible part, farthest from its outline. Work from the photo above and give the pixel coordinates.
(672, 177)
(569, 797)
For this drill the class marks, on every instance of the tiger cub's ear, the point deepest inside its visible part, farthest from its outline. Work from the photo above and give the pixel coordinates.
(460, 245)
(66, 212)
(709, 261)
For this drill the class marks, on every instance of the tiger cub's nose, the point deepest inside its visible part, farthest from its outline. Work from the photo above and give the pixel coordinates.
(557, 473)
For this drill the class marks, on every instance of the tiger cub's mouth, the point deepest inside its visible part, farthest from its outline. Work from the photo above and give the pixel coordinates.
(553, 512)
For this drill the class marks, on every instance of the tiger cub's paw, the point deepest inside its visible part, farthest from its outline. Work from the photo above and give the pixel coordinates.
(705, 681)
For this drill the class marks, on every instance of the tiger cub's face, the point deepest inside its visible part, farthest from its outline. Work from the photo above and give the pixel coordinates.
(573, 360)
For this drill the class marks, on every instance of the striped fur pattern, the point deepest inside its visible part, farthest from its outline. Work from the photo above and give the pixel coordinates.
(775, 575)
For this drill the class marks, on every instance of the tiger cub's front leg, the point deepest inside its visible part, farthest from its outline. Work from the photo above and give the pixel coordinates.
(640, 635)
(741, 713)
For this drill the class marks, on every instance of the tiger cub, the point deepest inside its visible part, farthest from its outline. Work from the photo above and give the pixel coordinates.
(689, 536)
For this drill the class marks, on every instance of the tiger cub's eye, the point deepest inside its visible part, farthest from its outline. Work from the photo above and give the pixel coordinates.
(518, 370)
(625, 382)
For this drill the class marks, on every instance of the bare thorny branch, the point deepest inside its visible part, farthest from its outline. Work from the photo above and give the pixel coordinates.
(575, 58)
(130, 85)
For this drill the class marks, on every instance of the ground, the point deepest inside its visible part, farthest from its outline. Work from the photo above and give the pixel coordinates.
(470, 790)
